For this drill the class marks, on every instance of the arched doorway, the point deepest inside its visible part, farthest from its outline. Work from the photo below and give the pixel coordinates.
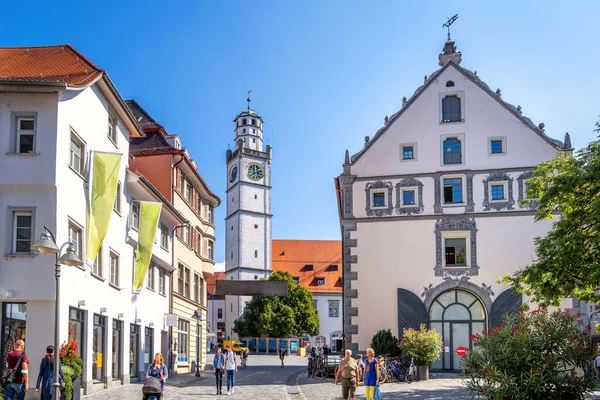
(456, 315)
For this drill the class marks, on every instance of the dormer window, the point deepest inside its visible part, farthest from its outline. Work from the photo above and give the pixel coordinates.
(450, 84)
(451, 111)
(308, 267)
(320, 281)
(296, 279)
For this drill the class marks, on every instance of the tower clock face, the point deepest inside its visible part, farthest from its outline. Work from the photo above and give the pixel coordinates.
(255, 172)
(233, 174)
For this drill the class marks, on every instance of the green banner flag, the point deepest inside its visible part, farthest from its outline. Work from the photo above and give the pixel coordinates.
(104, 188)
(149, 216)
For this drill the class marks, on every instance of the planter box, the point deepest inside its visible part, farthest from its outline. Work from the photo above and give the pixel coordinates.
(422, 372)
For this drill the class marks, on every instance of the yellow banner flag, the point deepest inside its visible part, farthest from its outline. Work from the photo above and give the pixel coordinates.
(149, 216)
(104, 188)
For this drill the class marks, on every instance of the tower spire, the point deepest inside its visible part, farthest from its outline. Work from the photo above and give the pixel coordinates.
(249, 99)
(449, 52)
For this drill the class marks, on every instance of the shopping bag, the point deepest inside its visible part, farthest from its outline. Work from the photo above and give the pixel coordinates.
(377, 393)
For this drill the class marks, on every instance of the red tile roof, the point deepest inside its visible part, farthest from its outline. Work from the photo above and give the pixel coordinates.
(325, 257)
(153, 143)
(211, 281)
(49, 64)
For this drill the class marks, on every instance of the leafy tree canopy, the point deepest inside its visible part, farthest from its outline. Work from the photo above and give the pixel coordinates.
(568, 258)
(275, 316)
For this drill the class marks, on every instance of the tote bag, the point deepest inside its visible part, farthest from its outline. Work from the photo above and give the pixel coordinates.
(377, 393)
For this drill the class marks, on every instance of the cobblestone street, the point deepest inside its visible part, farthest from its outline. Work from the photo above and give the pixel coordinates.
(265, 380)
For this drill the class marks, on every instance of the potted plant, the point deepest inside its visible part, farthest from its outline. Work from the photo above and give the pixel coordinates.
(72, 366)
(425, 345)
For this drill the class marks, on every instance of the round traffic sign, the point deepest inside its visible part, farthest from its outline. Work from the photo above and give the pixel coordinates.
(461, 351)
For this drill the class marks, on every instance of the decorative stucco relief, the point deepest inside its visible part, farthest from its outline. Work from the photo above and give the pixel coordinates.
(498, 205)
(521, 180)
(417, 208)
(379, 211)
(455, 224)
(346, 182)
(437, 185)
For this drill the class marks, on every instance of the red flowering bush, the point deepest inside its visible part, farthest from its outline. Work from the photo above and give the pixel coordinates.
(425, 345)
(535, 355)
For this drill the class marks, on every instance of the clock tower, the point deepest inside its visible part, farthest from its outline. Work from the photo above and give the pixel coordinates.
(248, 221)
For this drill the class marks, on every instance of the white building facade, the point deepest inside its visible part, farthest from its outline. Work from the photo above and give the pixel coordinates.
(430, 212)
(49, 130)
(248, 222)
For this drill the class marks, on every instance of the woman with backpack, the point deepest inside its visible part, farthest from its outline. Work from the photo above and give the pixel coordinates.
(219, 367)
(46, 375)
(158, 370)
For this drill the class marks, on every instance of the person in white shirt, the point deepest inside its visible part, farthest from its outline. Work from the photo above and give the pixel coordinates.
(231, 367)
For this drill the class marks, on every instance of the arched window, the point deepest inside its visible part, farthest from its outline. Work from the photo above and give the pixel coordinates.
(452, 151)
(253, 122)
(244, 121)
(449, 84)
(451, 109)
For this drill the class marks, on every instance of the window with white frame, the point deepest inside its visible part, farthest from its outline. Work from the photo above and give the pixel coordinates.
(409, 196)
(25, 135)
(453, 190)
(77, 152)
(135, 215)
(320, 281)
(117, 203)
(455, 250)
(497, 146)
(97, 265)
(408, 152)
(22, 231)
(183, 281)
(75, 237)
(150, 281)
(497, 191)
(164, 237)
(188, 191)
(182, 336)
(210, 214)
(334, 308)
(114, 268)
(112, 128)
(378, 198)
(161, 281)
(210, 254)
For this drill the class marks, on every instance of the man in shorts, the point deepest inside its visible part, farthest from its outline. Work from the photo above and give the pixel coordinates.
(349, 372)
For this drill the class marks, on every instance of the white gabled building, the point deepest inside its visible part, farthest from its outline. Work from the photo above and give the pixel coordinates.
(430, 212)
(58, 108)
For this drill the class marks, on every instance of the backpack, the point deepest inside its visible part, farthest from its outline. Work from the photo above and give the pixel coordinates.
(8, 376)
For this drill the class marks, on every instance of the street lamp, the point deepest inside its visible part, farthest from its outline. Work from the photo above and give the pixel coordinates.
(198, 317)
(46, 245)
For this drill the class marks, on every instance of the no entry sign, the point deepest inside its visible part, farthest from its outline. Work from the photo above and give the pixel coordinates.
(461, 351)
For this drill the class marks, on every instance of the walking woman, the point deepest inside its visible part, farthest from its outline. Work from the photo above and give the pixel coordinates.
(219, 367)
(371, 374)
(158, 370)
(46, 375)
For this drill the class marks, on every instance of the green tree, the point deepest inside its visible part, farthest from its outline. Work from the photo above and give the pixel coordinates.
(280, 316)
(568, 257)
(385, 344)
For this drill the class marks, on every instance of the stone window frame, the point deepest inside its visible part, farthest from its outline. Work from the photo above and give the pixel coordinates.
(453, 225)
(495, 138)
(460, 137)
(521, 180)
(460, 94)
(468, 183)
(414, 150)
(379, 186)
(416, 208)
(498, 205)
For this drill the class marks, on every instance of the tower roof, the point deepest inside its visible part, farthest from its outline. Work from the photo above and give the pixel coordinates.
(248, 113)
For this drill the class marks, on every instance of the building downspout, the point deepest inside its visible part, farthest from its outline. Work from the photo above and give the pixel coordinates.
(339, 194)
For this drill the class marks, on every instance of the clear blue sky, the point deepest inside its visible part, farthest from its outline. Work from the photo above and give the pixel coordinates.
(324, 74)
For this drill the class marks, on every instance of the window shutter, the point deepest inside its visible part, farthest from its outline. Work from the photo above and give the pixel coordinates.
(178, 178)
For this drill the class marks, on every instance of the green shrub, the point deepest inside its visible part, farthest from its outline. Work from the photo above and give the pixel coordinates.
(536, 355)
(68, 372)
(425, 345)
(384, 343)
